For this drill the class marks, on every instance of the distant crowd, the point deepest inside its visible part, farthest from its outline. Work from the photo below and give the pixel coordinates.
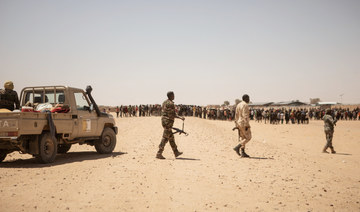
(266, 115)
(136, 110)
(300, 115)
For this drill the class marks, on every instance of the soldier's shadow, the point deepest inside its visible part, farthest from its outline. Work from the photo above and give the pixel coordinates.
(339, 153)
(193, 159)
(261, 158)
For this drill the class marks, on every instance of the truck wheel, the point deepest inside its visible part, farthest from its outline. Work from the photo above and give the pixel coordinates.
(3, 154)
(107, 141)
(63, 148)
(47, 148)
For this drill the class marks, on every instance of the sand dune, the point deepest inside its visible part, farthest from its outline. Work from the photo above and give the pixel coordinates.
(287, 171)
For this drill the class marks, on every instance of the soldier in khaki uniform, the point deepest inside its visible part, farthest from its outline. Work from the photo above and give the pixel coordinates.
(168, 114)
(329, 124)
(9, 98)
(242, 118)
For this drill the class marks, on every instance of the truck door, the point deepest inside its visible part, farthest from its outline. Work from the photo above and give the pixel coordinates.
(87, 121)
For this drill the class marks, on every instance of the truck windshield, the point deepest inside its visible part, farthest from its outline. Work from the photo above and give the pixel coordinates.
(81, 101)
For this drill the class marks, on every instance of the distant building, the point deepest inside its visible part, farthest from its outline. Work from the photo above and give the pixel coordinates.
(278, 104)
(260, 104)
(325, 105)
(289, 104)
(314, 101)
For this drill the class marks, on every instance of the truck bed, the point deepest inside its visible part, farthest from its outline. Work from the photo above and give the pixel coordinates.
(32, 123)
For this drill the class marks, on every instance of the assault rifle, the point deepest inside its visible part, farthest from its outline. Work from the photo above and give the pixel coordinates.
(177, 130)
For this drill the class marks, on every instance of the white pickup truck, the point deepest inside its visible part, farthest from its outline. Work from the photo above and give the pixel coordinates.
(58, 117)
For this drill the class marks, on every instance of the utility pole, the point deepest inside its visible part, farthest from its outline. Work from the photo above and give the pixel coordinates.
(341, 95)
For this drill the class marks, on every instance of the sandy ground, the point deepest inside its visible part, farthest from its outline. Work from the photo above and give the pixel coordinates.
(287, 172)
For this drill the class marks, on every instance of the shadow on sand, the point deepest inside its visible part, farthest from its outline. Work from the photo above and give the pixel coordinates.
(339, 153)
(260, 158)
(180, 158)
(60, 159)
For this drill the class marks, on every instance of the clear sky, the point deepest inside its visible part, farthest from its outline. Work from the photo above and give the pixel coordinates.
(206, 51)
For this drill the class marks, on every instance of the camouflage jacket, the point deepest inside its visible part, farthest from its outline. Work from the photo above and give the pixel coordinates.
(168, 110)
(8, 98)
(328, 123)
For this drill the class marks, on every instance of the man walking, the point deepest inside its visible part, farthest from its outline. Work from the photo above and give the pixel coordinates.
(168, 114)
(329, 123)
(242, 118)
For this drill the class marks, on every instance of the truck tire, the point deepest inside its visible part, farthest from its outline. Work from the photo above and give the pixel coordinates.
(3, 154)
(107, 142)
(63, 148)
(47, 148)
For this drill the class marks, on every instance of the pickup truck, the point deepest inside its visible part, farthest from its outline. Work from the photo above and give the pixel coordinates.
(51, 119)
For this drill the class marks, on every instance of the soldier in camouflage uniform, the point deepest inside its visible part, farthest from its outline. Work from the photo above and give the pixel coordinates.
(329, 124)
(9, 98)
(168, 114)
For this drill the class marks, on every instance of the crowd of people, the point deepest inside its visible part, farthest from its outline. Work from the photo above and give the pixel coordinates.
(136, 110)
(301, 115)
(266, 115)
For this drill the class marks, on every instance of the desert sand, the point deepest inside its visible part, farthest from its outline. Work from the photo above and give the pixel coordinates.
(287, 171)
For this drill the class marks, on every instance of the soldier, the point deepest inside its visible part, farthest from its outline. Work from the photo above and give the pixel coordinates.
(9, 97)
(168, 116)
(329, 123)
(242, 118)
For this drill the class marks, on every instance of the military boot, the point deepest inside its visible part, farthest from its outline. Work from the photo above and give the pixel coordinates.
(160, 156)
(243, 154)
(332, 150)
(237, 149)
(324, 150)
(177, 153)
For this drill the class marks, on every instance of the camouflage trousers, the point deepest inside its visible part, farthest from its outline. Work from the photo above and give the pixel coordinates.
(168, 135)
(329, 137)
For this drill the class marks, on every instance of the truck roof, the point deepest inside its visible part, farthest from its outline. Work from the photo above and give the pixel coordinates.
(43, 89)
(50, 87)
